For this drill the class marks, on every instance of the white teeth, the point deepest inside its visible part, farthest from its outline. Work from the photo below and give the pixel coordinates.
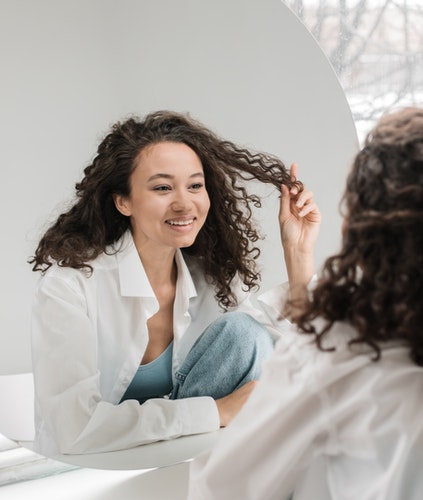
(180, 222)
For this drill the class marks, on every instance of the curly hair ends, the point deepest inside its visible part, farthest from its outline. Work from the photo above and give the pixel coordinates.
(224, 246)
(225, 242)
(376, 281)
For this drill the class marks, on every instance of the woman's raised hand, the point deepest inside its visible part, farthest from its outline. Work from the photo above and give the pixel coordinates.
(299, 220)
(299, 217)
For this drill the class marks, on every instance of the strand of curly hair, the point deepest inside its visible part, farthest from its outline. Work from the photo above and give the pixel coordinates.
(224, 246)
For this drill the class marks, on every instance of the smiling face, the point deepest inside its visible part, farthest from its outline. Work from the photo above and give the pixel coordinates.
(168, 203)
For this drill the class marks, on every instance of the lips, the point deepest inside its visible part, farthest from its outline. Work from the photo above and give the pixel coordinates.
(178, 222)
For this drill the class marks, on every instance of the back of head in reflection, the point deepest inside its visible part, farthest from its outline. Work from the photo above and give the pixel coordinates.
(142, 329)
(337, 412)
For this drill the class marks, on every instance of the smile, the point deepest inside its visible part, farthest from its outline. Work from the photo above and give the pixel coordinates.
(180, 222)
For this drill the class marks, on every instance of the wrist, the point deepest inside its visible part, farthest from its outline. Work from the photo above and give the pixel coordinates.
(294, 254)
(299, 265)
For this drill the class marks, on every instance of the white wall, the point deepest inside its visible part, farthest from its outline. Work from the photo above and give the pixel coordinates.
(58, 90)
(246, 68)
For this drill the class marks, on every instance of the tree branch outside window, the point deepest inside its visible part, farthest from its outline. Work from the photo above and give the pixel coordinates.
(375, 48)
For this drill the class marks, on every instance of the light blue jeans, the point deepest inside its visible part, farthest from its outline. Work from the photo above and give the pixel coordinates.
(229, 353)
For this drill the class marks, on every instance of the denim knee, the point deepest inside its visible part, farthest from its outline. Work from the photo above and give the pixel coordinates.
(229, 353)
(243, 329)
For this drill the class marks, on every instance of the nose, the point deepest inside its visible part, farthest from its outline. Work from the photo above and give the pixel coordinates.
(181, 201)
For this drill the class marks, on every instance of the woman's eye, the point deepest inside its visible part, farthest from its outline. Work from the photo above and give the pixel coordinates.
(161, 188)
(197, 185)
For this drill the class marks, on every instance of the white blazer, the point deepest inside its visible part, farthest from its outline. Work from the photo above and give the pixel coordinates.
(89, 334)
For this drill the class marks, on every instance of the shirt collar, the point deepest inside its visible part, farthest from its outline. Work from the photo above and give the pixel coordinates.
(185, 281)
(133, 278)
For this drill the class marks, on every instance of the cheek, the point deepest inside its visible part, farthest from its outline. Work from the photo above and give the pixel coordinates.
(150, 205)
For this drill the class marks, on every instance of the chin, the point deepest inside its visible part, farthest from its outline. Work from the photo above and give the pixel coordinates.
(187, 244)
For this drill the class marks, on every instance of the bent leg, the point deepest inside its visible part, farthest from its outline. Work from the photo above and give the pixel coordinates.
(229, 353)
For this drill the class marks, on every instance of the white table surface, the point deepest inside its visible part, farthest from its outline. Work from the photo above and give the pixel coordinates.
(160, 454)
(93, 484)
(158, 471)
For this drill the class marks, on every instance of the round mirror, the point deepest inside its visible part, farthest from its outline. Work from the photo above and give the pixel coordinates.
(249, 70)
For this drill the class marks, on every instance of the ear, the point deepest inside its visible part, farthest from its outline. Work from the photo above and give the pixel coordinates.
(122, 204)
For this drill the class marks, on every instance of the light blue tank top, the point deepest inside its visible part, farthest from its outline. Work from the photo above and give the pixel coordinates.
(153, 380)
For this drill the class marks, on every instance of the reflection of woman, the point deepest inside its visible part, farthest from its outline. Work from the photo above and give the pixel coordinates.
(120, 309)
(341, 417)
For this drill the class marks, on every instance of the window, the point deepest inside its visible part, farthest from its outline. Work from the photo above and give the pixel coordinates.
(374, 47)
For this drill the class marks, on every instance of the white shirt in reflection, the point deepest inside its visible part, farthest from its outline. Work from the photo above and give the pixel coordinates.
(88, 337)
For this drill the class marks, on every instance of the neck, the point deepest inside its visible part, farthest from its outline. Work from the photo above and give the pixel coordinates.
(159, 266)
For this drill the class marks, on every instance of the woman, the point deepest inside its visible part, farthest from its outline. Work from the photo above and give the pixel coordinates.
(129, 342)
(337, 413)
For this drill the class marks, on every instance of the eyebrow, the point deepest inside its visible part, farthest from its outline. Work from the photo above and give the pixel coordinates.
(169, 176)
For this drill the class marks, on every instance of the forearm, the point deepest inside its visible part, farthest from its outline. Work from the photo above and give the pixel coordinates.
(299, 265)
(300, 269)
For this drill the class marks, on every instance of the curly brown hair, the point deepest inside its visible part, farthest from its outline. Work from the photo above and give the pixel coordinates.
(375, 282)
(224, 246)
